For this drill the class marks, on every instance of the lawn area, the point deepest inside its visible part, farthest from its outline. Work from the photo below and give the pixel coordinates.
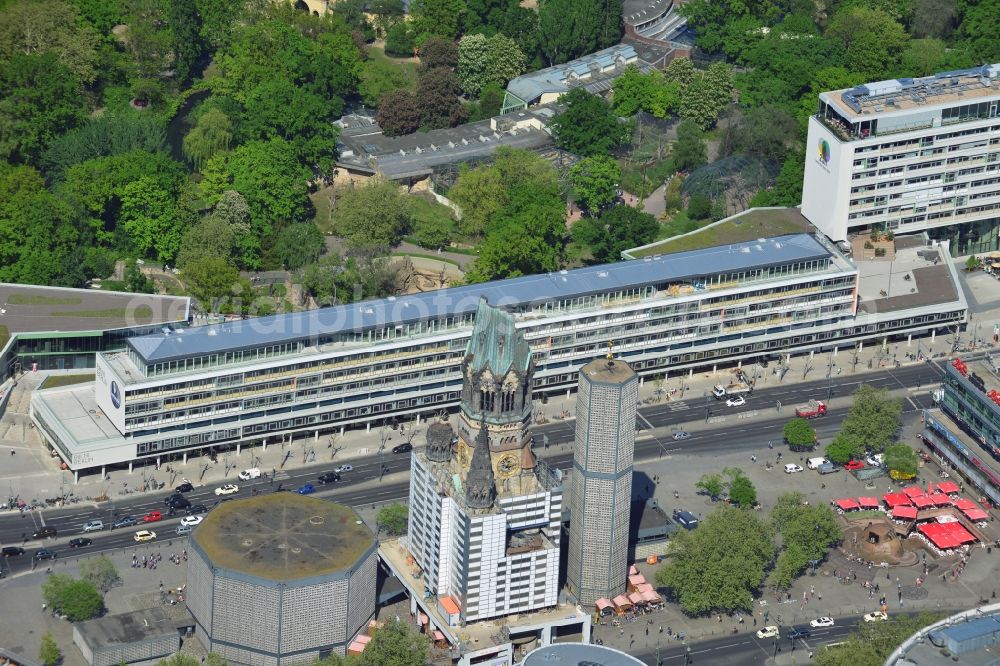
(55, 381)
(33, 299)
(746, 227)
(141, 312)
(376, 53)
(4, 336)
(321, 204)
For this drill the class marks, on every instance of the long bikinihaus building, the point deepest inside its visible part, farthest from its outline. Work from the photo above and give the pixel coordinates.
(266, 380)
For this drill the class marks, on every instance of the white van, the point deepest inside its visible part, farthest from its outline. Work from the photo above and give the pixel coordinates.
(814, 463)
(247, 474)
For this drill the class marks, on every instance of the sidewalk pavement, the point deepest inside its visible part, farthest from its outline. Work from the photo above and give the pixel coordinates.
(32, 473)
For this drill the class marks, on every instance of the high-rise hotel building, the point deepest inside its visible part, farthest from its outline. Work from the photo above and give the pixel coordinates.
(909, 155)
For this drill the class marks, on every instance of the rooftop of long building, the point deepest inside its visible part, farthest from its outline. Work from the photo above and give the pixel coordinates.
(513, 293)
(596, 72)
(28, 308)
(958, 87)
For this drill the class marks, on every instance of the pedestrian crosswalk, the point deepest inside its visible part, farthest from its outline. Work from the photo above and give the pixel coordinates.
(678, 406)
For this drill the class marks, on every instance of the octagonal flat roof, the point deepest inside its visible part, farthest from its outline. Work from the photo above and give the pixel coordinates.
(283, 536)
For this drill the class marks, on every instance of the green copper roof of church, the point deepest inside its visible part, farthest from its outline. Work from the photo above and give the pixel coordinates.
(495, 343)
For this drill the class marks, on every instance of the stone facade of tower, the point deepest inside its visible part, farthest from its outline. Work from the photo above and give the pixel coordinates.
(601, 484)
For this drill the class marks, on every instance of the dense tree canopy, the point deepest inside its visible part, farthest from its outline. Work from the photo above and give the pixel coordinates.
(373, 215)
(871, 424)
(721, 565)
(39, 100)
(587, 126)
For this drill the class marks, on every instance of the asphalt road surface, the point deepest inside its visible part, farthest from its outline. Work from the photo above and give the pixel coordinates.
(702, 416)
(745, 649)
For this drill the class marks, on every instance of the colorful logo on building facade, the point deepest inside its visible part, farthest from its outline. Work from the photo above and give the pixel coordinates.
(116, 395)
(823, 148)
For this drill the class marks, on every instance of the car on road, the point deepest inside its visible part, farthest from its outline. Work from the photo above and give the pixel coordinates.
(405, 447)
(45, 554)
(248, 474)
(143, 536)
(821, 622)
(184, 529)
(152, 517)
(680, 434)
(329, 477)
(177, 501)
(228, 489)
(767, 632)
(343, 468)
(792, 468)
(196, 509)
(738, 401)
(44, 533)
(93, 526)
(124, 521)
(877, 616)
(12, 551)
(80, 542)
(185, 487)
(307, 489)
(191, 520)
(853, 465)
(795, 633)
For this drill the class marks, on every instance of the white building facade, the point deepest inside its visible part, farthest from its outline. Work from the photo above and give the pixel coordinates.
(265, 380)
(909, 155)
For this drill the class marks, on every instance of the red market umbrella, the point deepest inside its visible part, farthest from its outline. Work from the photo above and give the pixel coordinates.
(868, 502)
(963, 504)
(976, 515)
(905, 513)
(846, 504)
(895, 499)
(948, 487)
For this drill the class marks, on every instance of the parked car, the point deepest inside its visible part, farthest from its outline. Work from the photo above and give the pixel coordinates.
(821, 622)
(184, 529)
(152, 517)
(767, 632)
(248, 474)
(853, 465)
(680, 434)
(875, 460)
(45, 554)
(80, 542)
(124, 521)
(329, 477)
(877, 616)
(792, 468)
(405, 447)
(828, 468)
(228, 489)
(307, 489)
(343, 468)
(12, 551)
(191, 521)
(685, 519)
(185, 487)
(93, 526)
(738, 401)
(143, 536)
(44, 533)
(196, 509)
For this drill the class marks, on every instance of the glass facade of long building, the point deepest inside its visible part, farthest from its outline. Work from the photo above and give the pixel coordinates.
(399, 358)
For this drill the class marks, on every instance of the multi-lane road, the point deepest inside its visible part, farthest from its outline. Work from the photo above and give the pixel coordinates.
(714, 428)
